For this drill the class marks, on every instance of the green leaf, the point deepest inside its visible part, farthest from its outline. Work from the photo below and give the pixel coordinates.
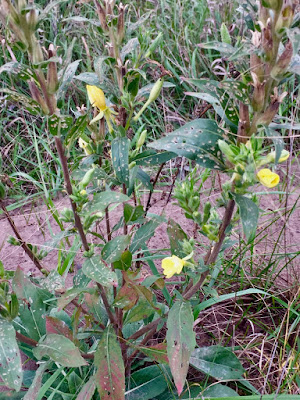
(249, 213)
(126, 297)
(114, 249)
(59, 124)
(215, 300)
(180, 340)
(151, 157)
(218, 362)
(144, 178)
(110, 375)
(27, 102)
(67, 78)
(80, 19)
(197, 141)
(129, 47)
(277, 140)
(219, 46)
(10, 358)
(22, 71)
(132, 214)
(176, 235)
(119, 156)
(141, 311)
(104, 199)
(158, 352)
(219, 390)
(88, 390)
(55, 325)
(32, 306)
(95, 269)
(71, 294)
(76, 130)
(89, 78)
(125, 261)
(143, 234)
(60, 349)
(147, 383)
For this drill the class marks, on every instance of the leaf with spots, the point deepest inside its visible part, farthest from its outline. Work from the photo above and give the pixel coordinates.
(33, 306)
(114, 249)
(180, 341)
(10, 358)
(249, 213)
(119, 156)
(104, 199)
(110, 375)
(95, 269)
(176, 236)
(218, 362)
(59, 124)
(197, 140)
(151, 157)
(27, 102)
(143, 234)
(68, 75)
(55, 325)
(60, 349)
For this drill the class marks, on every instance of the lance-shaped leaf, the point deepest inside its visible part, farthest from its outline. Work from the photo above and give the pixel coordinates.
(181, 341)
(157, 352)
(176, 235)
(218, 362)
(126, 298)
(119, 156)
(59, 349)
(151, 157)
(88, 390)
(104, 199)
(197, 141)
(32, 305)
(143, 234)
(55, 325)
(95, 269)
(34, 389)
(10, 358)
(249, 213)
(110, 375)
(114, 249)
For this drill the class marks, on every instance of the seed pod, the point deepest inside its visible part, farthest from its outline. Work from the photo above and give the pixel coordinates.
(101, 15)
(283, 61)
(37, 96)
(52, 79)
(87, 178)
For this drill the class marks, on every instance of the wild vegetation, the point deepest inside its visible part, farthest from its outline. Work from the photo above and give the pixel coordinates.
(111, 105)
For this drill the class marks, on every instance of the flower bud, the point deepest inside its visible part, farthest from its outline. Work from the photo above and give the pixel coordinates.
(273, 4)
(226, 150)
(271, 157)
(132, 165)
(37, 96)
(286, 16)
(87, 178)
(142, 139)
(283, 61)
(121, 25)
(155, 91)
(101, 15)
(52, 79)
(258, 98)
(96, 97)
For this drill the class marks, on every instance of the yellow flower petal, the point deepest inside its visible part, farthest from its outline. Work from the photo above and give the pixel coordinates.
(268, 178)
(96, 97)
(172, 265)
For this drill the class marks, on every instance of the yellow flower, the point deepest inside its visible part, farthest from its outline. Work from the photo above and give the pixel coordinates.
(172, 265)
(83, 192)
(268, 178)
(96, 97)
(283, 156)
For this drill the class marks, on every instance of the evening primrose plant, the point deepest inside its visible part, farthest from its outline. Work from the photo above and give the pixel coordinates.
(99, 333)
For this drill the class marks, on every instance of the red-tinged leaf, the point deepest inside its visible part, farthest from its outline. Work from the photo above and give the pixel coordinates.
(55, 325)
(35, 387)
(88, 390)
(126, 298)
(158, 353)
(181, 341)
(110, 375)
